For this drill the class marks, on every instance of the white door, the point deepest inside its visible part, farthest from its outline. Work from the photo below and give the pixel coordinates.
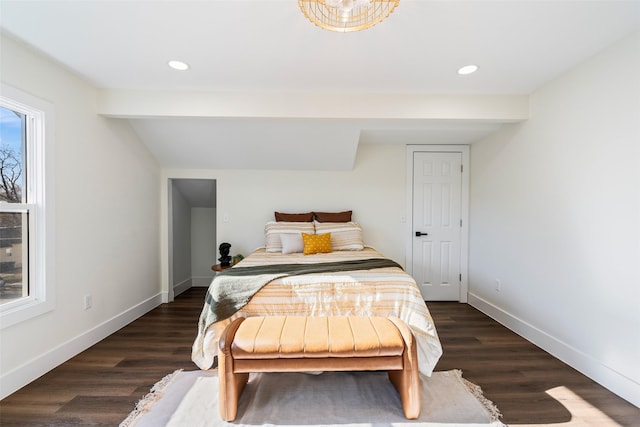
(437, 222)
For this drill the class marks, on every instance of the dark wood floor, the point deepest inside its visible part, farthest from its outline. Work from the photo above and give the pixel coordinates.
(102, 385)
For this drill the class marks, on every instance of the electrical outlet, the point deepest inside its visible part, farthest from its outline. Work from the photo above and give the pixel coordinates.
(88, 302)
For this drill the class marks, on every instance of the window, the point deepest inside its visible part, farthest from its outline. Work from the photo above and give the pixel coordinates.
(26, 276)
(14, 210)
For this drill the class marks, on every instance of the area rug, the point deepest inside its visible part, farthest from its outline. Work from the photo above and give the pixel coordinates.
(345, 399)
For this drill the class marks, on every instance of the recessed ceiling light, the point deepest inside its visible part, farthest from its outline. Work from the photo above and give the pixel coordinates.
(468, 69)
(178, 65)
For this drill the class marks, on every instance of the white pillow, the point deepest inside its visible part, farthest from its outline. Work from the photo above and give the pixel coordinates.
(292, 243)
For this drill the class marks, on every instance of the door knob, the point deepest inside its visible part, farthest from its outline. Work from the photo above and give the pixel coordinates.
(418, 234)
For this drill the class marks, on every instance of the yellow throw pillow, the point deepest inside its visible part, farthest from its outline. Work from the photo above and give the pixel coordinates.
(316, 243)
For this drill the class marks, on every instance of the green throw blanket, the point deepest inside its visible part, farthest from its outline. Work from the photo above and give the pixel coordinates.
(233, 288)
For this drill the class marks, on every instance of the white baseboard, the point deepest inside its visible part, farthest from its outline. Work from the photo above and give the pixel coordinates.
(616, 382)
(35, 368)
(192, 282)
(201, 282)
(182, 286)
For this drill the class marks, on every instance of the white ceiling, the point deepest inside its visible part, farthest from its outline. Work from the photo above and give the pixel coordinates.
(197, 193)
(268, 47)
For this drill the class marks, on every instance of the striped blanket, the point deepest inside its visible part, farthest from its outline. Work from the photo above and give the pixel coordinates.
(387, 291)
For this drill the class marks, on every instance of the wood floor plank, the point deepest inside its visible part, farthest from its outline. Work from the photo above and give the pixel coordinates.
(518, 376)
(100, 386)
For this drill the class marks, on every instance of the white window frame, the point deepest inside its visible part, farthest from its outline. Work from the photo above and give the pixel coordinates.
(39, 177)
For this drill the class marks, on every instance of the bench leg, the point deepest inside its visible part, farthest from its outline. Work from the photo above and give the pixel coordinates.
(230, 384)
(407, 382)
(230, 387)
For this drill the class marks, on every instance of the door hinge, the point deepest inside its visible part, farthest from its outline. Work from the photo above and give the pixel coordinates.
(461, 168)
(460, 223)
(460, 277)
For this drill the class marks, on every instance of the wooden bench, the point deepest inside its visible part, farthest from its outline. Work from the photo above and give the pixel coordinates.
(302, 344)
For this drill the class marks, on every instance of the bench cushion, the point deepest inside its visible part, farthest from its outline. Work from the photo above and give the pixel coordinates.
(278, 337)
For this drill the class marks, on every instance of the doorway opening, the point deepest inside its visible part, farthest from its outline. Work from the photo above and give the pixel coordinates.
(192, 233)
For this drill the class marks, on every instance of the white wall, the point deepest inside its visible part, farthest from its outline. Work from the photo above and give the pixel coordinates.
(374, 190)
(106, 223)
(555, 215)
(181, 226)
(203, 245)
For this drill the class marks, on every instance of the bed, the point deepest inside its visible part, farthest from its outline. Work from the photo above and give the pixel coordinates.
(361, 282)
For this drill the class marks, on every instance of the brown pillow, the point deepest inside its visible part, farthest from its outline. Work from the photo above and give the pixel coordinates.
(296, 217)
(333, 216)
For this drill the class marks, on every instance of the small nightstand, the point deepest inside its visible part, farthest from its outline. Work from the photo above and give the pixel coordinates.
(219, 267)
